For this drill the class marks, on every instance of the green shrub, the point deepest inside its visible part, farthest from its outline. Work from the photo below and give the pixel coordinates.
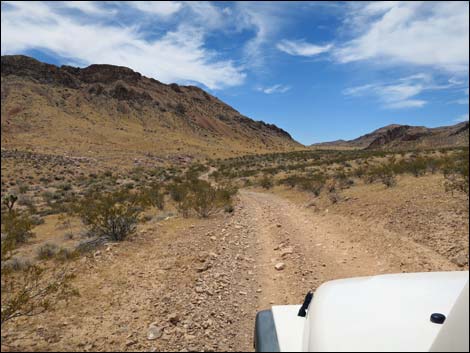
(154, 196)
(204, 198)
(17, 226)
(112, 216)
(384, 173)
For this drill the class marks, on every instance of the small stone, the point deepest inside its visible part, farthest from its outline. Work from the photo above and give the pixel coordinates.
(286, 251)
(460, 261)
(280, 266)
(130, 343)
(154, 333)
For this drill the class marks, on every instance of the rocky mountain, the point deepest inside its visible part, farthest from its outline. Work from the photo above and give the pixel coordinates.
(405, 137)
(114, 113)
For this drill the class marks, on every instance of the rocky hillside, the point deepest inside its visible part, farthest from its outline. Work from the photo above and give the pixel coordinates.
(113, 113)
(405, 137)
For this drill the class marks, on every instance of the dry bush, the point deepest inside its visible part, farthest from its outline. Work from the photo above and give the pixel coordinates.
(32, 291)
(27, 290)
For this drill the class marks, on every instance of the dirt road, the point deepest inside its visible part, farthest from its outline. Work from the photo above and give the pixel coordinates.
(201, 282)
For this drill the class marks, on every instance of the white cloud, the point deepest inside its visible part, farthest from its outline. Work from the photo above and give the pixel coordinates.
(177, 56)
(434, 34)
(87, 7)
(265, 20)
(159, 8)
(400, 93)
(302, 48)
(278, 88)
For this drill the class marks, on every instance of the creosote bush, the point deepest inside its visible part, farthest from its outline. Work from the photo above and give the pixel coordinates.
(113, 216)
(200, 197)
(17, 226)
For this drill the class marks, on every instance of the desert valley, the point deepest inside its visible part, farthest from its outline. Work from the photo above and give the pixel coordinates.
(138, 215)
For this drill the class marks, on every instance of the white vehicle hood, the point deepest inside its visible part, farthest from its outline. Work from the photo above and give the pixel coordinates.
(381, 313)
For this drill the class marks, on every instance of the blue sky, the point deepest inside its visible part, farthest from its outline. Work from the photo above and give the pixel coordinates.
(320, 70)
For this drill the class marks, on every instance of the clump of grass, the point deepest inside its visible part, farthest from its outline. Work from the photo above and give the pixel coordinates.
(47, 251)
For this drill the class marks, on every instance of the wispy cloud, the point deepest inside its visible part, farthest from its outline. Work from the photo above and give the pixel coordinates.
(278, 88)
(159, 8)
(463, 117)
(302, 48)
(400, 93)
(87, 7)
(433, 34)
(178, 55)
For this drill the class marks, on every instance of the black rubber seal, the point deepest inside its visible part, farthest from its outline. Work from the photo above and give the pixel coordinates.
(438, 318)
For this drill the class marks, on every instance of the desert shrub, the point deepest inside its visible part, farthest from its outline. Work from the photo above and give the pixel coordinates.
(184, 206)
(37, 220)
(32, 292)
(16, 264)
(88, 245)
(112, 216)
(456, 173)
(178, 191)
(225, 194)
(334, 197)
(47, 251)
(64, 186)
(331, 185)
(266, 182)
(383, 173)
(203, 198)
(17, 226)
(360, 172)
(417, 166)
(65, 254)
(27, 201)
(154, 196)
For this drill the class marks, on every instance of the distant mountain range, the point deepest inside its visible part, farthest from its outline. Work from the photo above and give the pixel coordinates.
(406, 137)
(113, 113)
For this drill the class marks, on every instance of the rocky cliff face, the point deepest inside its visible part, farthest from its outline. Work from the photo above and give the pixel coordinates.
(80, 103)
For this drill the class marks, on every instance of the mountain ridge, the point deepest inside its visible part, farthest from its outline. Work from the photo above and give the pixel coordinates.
(87, 105)
(396, 136)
